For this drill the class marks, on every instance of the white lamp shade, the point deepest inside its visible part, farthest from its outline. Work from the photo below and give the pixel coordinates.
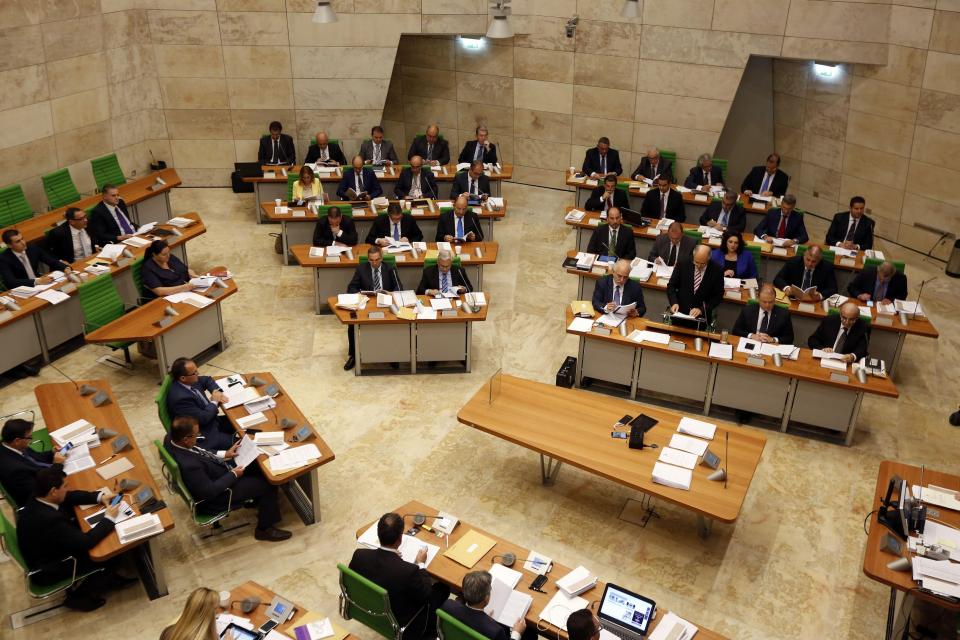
(324, 13)
(500, 28)
(630, 9)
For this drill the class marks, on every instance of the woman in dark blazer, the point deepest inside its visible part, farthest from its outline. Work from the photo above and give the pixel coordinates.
(732, 255)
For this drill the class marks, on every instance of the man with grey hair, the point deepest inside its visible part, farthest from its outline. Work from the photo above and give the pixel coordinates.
(480, 149)
(653, 165)
(477, 586)
(880, 284)
(783, 223)
(845, 333)
(704, 174)
(443, 278)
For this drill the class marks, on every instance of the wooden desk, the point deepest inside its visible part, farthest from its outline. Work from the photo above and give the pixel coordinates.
(331, 278)
(304, 492)
(799, 391)
(903, 589)
(190, 333)
(391, 339)
(140, 195)
(61, 404)
(451, 573)
(298, 223)
(573, 426)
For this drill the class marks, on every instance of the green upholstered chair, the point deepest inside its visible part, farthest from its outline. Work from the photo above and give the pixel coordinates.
(694, 233)
(345, 209)
(14, 207)
(106, 170)
(670, 155)
(291, 178)
(449, 628)
(171, 473)
(429, 262)
(101, 305)
(59, 188)
(722, 164)
(161, 401)
(368, 603)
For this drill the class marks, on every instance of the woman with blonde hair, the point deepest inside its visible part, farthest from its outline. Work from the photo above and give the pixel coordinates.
(198, 620)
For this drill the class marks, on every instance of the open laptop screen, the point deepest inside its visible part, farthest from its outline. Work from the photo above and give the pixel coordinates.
(626, 609)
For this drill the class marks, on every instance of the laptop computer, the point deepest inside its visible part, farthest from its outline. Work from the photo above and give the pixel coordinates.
(634, 218)
(625, 614)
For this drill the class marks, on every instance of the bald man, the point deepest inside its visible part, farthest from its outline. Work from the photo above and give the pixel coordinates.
(765, 321)
(809, 270)
(431, 147)
(618, 290)
(325, 152)
(653, 165)
(845, 333)
(696, 286)
(459, 225)
(882, 284)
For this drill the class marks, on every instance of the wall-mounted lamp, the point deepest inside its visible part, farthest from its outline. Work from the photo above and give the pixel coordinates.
(826, 70)
(631, 9)
(500, 25)
(472, 44)
(324, 13)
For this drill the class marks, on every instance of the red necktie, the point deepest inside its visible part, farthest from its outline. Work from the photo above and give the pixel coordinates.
(782, 229)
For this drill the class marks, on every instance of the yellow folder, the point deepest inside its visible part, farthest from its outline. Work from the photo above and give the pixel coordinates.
(470, 548)
(582, 308)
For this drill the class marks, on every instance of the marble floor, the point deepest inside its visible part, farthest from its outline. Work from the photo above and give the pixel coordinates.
(789, 568)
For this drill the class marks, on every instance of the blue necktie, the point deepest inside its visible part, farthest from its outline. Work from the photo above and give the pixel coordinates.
(444, 283)
(723, 218)
(396, 230)
(765, 184)
(203, 399)
(616, 295)
(460, 228)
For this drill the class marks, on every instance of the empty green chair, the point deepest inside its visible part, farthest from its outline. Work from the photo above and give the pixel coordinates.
(171, 473)
(161, 400)
(136, 272)
(449, 628)
(106, 170)
(369, 604)
(14, 207)
(876, 262)
(101, 305)
(60, 189)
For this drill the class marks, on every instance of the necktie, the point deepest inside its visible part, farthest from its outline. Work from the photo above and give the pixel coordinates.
(706, 177)
(841, 338)
(764, 322)
(396, 230)
(122, 220)
(852, 230)
(765, 185)
(616, 295)
(473, 187)
(460, 233)
(880, 291)
(807, 277)
(42, 465)
(653, 169)
(782, 229)
(479, 152)
(664, 198)
(444, 281)
(723, 218)
(323, 155)
(199, 394)
(359, 175)
(697, 278)
(203, 453)
(377, 282)
(673, 255)
(603, 164)
(415, 187)
(611, 249)
(26, 265)
(429, 152)
(276, 151)
(376, 153)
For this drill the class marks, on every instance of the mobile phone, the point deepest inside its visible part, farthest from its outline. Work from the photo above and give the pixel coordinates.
(538, 583)
(625, 420)
(268, 626)
(66, 447)
(619, 434)
(116, 500)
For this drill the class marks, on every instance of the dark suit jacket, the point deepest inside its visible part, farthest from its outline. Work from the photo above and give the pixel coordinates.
(205, 478)
(626, 247)
(737, 219)
(447, 226)
(287, 153)
(17, 472)
(632, 292)
(779, 326)
(661, 248)
(387, 152)
(461, 184)
(101, 226)
(470, 148)
(645, 169)
(14, 275)
(857, 341)
(363, 278)
(428, 183)
(695, 179)
(60, 242)
(477, 620)
(182, 402)
(431, 279)
(323, 234)
(334, 152)
(441, 150)
(370, 183)
(796, 229)
(48, 535)
(383, 228)
(707, 297)
(676, 210)
(754, 181)
(866, 282)
(591, 161)
(407, 584)
(620, 199)
(862, 235)
(824, 277)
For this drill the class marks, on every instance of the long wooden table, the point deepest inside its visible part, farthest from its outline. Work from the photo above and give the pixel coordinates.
(903, 589)
(304, 491)
(573, 426)
(147, 201)
(798, 391)
(451, 572)
(60, 404)
(332, 274)
(382, 337)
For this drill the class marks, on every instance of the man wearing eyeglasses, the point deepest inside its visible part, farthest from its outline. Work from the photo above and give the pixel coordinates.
(70, 241)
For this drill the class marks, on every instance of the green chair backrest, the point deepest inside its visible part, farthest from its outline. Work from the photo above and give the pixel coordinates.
(388, 258)
(429, 262)
(694, 233)
(14, 207)
(173, 471)
(136, 272)
(161, 400)
(366, 602)
(722, 165)
(876, 262)
(100, 302)
(449, 628)
(446, 209)
(107, 170)
(755, 250)
(10, 543)
(624, 186)
(59, 188)
(41, 441)
(345, 209)
(667, 154)
(291, 178)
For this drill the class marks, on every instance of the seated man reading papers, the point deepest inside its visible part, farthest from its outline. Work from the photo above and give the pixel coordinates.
(372, 275)
(394, 226)
(696, 286)
(359, 182)
(20, 264)
(459, 225)
(443, 277)
(783, 226)
(612, 238)
(19, 463)
(476, 589)
(471, 183)
(847, 334)
(616, 291)
(882, 284)
(187, 397)
(653, 165)
(727, 214)
(378, 151)
(416, 181)
(673, 246)
(325, 152)
(335, 229)
(799, 274)
(765, 321)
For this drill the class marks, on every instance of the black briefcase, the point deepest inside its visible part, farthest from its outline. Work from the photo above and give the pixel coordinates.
(567, 372)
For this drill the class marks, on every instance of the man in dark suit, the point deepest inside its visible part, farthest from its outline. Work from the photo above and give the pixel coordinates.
(618, 290)
(325, 152)
(216, 482)
(664, 202)
(70, 241)
(696, 286)
(335, 228)
(443, 277)
(416, 182)
(431, 147)
(704, 174)
(372, 275)
(846, 333)
(19, 463)
(612, 238)
(880, 284)
(412, 592)
(765, 322)
(672, 247)
(394, 225)
(852, 229)
(187, 397)
(653, 165)
(471, 182)
(359, 182)
(476, 588)
(20, 264)
(110, 221)
(809, 270)
(378, 151)
(480, 149)
(725, 214)
(766, 180)
(460, 224)
(783, 223)
(277, 148)
(602, 160)
(607, 195)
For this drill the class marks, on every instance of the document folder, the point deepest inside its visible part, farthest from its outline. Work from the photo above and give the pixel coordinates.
(470, 548)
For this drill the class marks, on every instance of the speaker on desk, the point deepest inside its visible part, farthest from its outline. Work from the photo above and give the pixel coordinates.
(170, 311)
(126, 484)
(718, 475)
(257, 381)
(900, 564)
(87, 390)
(508, 559)
(105, 433)
(287, 423)
(249, 604)
(100, 398)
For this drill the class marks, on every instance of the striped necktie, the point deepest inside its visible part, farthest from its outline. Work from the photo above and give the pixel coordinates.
(697, 278)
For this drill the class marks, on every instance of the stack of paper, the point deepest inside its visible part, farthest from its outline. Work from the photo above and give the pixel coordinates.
(560, 607)
(190, 298)
(577, 581)
(294, 458)
(663, 271)
(139, 527)
(136, 241)
(407, 298)
(678, 458)
(180, 222)
(251, 420)
(575, 215)
(25, 292)
(721, 351)
(505, 575)
(585, 260)
(832, 363)
(95, 269)
(78, 459)
(698, 428)
(581, 325)
(671, 476)
(476, 299)
(409, 545)
(350, 301)
(78, 432)
(316, 252)
(506, 605)
(873, 253)
(785, 350)
(259, 404)
(426, 313)
(247, 452)
(268, 438)
(688, 444)
(53, 296)
(146, 228)
(746, 345)
(440, 304)
(111, 252)
(909, 306)
(826, 355)
(665, 629)
(946, 498)
(238, 396)
(337, 249)
(202, 282)
(731, 283)
(939, 576)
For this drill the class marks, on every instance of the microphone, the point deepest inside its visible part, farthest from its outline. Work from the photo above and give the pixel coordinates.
(10, 304)
(473, 220)
(432, 190)
(84, 390)
(127, 253)
(170, 311)
(396, 279)
(216, 366)
(607, 247)
(464, 280)
(920, 293)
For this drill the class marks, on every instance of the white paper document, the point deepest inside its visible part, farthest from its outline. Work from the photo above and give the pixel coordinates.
(507, 606)
(671, 476)
(440, 303)
(827, 355)
(678, 458)
(180, 222)
(53, 296)
(831, 363)
(77, 432)
(139, 527)
(537, 563)
(746, 345)
(788, 351)
(111, 252)
(693, 427)
(476, 298)
(506, 575)
(239, 395)
(78, 459)
(688, 444)
(294, 458)
(721, 351)
(259, 404)
(581, 325)
(653, 337)
(577, 581)
(247, 452)
(667, 624)
(136, 241)
(409, 546)
(268, 438)
(251, 420)
(337, 249)
(560, 607)
(946, 498)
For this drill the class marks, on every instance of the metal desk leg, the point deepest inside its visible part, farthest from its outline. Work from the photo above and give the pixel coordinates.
(708, 397)
(582, 288)
(286, 247)
(150, 571)
(44, 350)
(356, 348)
(638, 355)
(469, 336)
(413, 347)
(256, 201)
(788, 407)
(304, 495)
(579, 373)
(549, 468)
(852, 427)
(317, 302)
(704, 526)
(896, 354)
(898, 615)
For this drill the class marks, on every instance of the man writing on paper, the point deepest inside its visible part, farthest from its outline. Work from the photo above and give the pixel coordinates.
(727, 214)
(881, 284)
(653, 165)
(480, 149)
(607, 195)
(852, 229)
(664, 202)
(618, 290)
(394, 226)
(416, 182)
(431, 147)
(218, 484)
(110, 220)
(612, 238)
(472, 183)
(845, 333)
(335, 229)
(372, 275)
(325, 152)
(376, 150)
(766, 180)
(443, 277)
(476, 589)
(799, 273)
(20, 266)
(359, 182)
(765, 321)
(673, 246)
(783, 223)
(187, 397)
(460, 224)
(704, 175)
(412, 592)
(696, 286)
(70, 241)
(602, 160)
